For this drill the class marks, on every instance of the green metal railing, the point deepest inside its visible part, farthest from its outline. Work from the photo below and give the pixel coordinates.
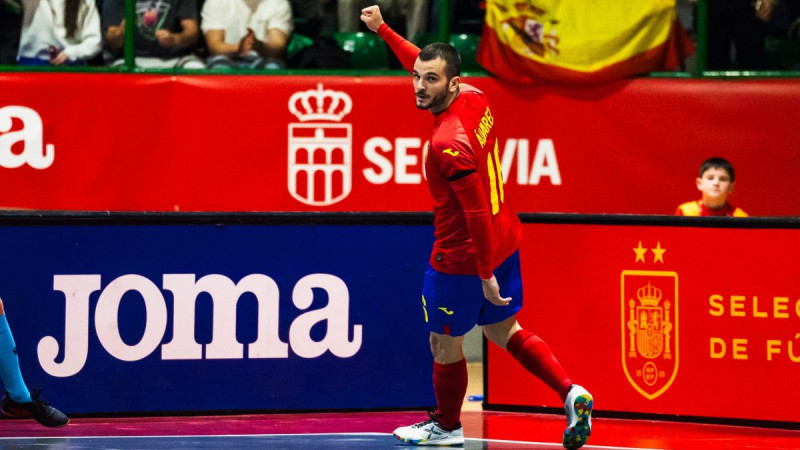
(129, 49)
(702, 38)
(445, 25)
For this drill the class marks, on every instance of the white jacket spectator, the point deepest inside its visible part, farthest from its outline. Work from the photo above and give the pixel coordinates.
(59, 32)
(246, 30)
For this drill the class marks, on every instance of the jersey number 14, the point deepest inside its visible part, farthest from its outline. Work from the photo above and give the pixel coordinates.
(495, 179)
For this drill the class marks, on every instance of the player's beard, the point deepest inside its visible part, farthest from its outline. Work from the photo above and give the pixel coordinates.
(436, 102)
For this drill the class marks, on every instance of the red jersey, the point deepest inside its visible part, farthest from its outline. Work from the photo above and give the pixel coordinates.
(697, 208)
(475, 227)
(464, 140)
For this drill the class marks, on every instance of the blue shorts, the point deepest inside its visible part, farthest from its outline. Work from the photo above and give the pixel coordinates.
(454, 304)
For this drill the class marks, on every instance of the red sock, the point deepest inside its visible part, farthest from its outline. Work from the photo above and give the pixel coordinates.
(450, 387)
(537, 358)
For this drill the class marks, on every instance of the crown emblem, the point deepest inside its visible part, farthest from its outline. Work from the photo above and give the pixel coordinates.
(320, 104)
(649, 295)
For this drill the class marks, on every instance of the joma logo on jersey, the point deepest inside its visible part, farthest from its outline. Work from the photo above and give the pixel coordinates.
(320, 150)
(185, 289)
(29, 139)
(650, 330)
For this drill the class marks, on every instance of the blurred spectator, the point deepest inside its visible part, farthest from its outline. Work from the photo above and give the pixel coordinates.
(165, 36)
(785, 20)
(324, 53)
(715, 181)
(10, 27)
(247, 34)
(59, 32)
(783, 36)
(415, 13)
(741, 23)
(314, 17)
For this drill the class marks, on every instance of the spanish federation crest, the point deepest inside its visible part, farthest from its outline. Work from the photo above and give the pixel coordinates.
(320, 148)
(650, 329)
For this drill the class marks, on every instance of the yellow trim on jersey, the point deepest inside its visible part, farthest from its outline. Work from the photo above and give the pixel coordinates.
(690, 208)
(739, 213)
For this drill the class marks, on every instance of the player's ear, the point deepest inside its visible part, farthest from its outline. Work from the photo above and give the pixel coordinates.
(453, 86)
(699, 183)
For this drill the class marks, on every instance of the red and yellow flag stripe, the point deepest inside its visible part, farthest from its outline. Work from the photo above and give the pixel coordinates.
(580, 41)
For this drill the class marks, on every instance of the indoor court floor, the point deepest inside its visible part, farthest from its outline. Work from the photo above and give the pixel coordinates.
(372, 430)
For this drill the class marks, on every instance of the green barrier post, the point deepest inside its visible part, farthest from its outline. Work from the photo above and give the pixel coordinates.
(445, 11)
(129, 48)
(701, 62)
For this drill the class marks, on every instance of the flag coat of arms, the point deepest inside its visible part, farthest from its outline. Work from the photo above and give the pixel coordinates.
(580, 41)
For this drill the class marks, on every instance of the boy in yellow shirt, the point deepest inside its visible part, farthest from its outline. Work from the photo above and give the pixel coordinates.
(716, 182)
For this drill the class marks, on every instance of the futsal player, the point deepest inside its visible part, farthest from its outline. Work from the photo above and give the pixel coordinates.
(18, 401)
(476, 253)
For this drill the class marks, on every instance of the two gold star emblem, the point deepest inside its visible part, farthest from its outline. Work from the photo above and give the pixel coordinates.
(658, 253)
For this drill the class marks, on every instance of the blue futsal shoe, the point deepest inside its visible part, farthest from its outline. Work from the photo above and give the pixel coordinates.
(578, 407)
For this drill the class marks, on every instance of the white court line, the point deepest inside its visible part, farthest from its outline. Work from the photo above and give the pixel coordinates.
(502, 441)
(555, 443)
(198, 436)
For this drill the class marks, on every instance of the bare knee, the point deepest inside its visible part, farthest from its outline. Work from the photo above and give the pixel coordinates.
(446, 349)
(1, 307)
(501, 332)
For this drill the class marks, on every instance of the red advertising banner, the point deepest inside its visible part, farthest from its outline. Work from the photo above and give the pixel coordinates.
(687, 321)
(133, 142)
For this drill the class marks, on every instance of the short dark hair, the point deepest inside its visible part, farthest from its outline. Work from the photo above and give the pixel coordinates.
(717, 163)
(448, 53)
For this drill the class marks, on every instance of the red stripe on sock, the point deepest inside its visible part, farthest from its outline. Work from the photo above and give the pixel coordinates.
(537, 358)
(450, 387)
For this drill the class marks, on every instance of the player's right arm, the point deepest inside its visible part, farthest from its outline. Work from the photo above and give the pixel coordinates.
(406, 51)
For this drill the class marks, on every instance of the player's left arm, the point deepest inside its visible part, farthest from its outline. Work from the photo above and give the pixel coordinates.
(468, 187)
(405, 51)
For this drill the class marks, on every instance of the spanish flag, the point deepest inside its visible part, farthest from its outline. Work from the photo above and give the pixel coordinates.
(581, 41)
